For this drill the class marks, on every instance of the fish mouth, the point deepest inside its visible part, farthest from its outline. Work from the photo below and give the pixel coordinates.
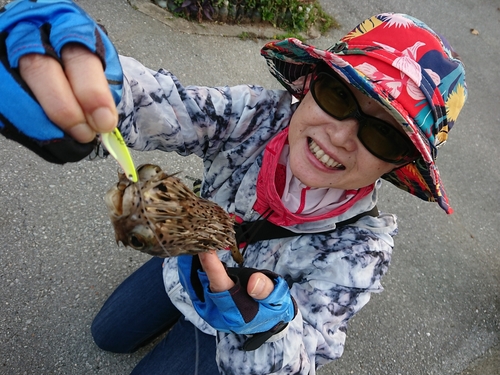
(323, 157)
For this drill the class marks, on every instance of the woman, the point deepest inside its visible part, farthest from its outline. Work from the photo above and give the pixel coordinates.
(376, 104)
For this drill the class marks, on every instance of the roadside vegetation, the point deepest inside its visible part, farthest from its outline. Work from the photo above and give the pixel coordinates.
(292, 16)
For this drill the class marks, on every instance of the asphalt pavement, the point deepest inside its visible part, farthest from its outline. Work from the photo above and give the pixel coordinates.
(440, 311)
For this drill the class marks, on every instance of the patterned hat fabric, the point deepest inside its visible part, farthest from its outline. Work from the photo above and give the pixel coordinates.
(400, 62)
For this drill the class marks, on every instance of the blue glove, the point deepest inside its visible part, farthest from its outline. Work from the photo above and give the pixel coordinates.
(44, 27)
(234, 310)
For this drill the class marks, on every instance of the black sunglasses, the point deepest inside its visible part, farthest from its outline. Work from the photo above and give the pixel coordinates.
(380, 138)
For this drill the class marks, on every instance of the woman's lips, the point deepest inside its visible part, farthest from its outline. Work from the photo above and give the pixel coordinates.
(322, 157)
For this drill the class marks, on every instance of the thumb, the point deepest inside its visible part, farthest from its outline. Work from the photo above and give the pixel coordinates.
(259, 286)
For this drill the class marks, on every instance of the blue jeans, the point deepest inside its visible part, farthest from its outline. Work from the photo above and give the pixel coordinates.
(137, 312)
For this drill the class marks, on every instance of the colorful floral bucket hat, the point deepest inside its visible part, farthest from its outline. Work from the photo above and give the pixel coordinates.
(403, 64)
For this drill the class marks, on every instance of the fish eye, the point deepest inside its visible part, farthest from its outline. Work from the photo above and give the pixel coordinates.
(135, 242)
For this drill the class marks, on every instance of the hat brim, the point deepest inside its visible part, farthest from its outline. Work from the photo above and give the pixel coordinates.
(290, 60)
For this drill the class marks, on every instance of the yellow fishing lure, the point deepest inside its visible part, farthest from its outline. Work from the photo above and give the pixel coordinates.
(116, 146)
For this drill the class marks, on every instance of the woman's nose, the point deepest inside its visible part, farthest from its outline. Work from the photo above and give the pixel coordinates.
(344, 133)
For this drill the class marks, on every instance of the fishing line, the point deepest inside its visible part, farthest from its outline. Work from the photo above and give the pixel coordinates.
(149, 222)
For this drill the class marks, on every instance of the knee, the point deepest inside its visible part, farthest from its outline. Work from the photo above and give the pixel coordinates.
(108, 338)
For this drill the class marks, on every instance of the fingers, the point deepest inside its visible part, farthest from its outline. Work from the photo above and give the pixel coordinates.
(216, 273)
(259, 286)
(46, 79)
(76, 99)
(88, 82)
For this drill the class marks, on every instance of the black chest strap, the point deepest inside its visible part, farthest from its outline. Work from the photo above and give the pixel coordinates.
(250, 232)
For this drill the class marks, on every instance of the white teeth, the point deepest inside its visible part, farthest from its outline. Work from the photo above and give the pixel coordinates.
(322, 157)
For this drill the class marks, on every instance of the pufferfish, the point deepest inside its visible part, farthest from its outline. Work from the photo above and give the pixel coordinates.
(161, 216)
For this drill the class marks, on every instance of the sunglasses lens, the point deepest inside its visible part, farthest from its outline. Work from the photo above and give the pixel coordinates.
(333, 97)
(383, 141)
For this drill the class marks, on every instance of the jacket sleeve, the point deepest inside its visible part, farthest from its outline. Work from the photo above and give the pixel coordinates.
(158, 113)
(331, 280)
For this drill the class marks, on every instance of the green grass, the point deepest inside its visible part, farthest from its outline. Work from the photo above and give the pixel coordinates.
(292, 16)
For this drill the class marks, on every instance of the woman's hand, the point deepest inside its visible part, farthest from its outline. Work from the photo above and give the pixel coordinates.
(77, 97)
(55, 52)
(241, 300)
(259, 285)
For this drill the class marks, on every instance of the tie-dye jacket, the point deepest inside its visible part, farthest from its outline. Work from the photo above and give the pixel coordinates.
(330, 275)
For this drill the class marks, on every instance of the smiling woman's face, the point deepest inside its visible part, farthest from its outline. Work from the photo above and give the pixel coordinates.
(326, 152)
